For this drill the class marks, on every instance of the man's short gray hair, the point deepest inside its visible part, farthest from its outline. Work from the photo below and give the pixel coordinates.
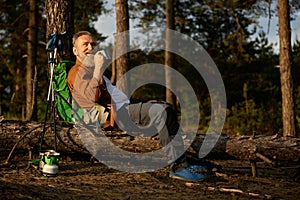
(78, 34)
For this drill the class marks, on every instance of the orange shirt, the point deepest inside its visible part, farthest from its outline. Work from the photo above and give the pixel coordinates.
(87, 91)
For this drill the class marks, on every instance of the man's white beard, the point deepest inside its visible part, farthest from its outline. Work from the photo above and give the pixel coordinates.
(88, 61)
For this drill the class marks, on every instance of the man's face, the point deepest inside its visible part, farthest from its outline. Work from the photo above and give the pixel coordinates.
(83, 49)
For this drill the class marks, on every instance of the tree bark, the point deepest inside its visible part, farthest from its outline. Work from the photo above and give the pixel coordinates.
(122, 43)
(113, 65)
(288, 112)
(270, 149)
(169, 57)
(259, 148)
(31, 107)
(28, 136)
(60, 19)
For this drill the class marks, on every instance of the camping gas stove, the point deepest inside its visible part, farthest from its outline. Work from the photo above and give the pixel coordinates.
(49, 163)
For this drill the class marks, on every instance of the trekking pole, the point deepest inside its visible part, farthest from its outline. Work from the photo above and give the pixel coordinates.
(52, 56)
(53, 100)
(54, 45)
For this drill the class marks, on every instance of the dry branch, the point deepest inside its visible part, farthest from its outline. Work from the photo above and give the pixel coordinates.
(227, 190)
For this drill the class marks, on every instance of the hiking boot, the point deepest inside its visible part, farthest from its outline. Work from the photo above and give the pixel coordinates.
(186, 175)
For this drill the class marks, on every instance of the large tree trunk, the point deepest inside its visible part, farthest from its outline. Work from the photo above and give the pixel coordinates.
(254, 148)
(60, 21)
(271, 149)
(121, 47)
(169, 57)
(18, 136)
(288, 112)
(68, 141)
(31, 83)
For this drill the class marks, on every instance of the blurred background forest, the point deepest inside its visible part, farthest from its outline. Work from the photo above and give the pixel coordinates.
(227, 29)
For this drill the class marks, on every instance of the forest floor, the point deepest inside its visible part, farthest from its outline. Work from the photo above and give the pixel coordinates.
(79, 179)
(86, 180)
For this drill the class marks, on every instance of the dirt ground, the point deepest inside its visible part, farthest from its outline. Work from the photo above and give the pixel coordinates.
(86, 180)
(83, 179)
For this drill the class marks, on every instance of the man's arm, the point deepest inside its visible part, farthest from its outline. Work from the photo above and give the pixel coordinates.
(99, 67)
(88, 83)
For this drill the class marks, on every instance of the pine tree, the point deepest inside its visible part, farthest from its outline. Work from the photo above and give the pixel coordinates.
(288, 112)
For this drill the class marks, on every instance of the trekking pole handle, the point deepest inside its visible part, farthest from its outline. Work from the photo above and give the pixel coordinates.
(55, 53)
